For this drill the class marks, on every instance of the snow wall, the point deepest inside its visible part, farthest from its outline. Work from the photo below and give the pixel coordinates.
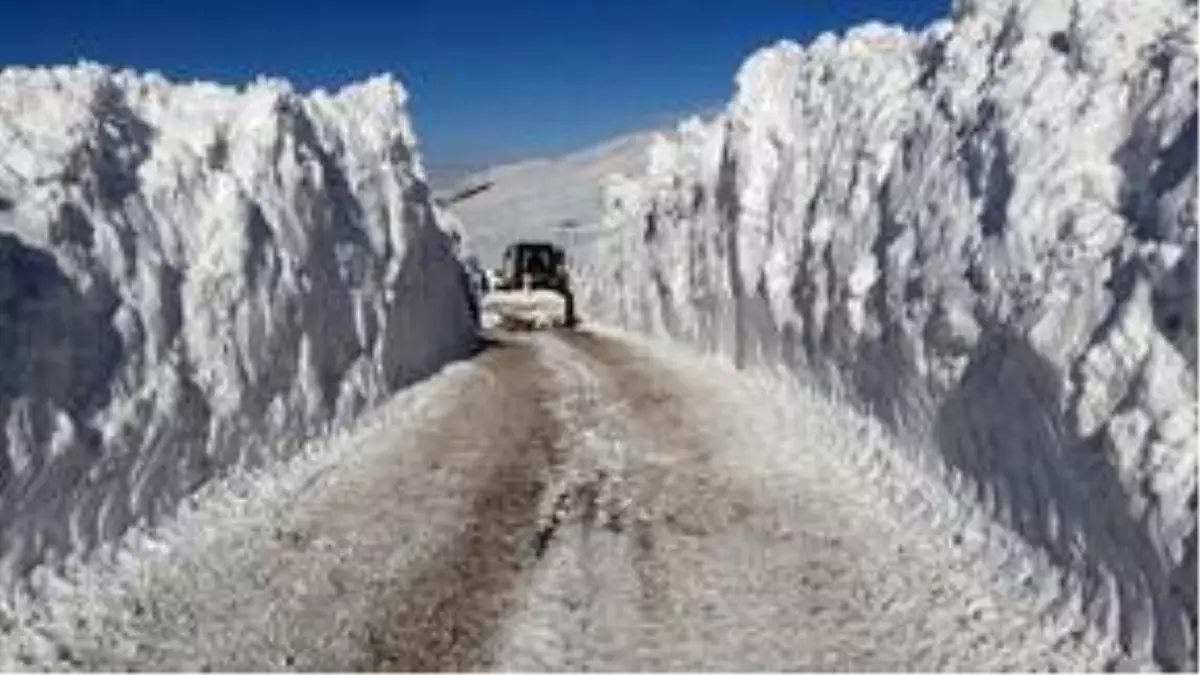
(195, 278)
(985, 234)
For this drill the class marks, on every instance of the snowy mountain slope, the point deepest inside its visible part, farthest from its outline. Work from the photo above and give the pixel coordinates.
(985, 233)
(557, 200)
(193, 278)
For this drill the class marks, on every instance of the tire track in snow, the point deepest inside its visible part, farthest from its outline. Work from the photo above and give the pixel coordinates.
(672, 490)
(779, 553)
(579, 577)
(712, 550)
(444, 615)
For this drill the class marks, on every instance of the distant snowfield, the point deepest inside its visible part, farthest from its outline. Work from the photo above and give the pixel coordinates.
(559, 200)
(193, 279)
(985, 234)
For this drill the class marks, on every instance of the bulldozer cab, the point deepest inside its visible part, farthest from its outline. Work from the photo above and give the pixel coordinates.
(542, 265)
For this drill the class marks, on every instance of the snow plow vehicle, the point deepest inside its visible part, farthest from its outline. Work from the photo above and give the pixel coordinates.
(531, 290)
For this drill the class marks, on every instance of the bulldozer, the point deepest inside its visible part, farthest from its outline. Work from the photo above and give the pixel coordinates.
(532, 288)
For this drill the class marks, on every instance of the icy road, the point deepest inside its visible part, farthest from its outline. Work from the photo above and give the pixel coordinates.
(570, 501)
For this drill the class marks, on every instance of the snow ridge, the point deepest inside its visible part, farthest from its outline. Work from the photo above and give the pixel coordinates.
(985, 234)
(195, 278)
(557, 200)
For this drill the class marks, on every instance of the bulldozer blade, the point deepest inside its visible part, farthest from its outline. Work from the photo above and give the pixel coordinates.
(524, 309)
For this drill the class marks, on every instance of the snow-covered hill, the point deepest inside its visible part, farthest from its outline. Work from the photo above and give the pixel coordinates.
(985, 233)
(194, 278)
(558, 200)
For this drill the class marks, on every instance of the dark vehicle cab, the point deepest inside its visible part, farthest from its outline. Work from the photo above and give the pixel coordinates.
(537, 266)
(534, 265)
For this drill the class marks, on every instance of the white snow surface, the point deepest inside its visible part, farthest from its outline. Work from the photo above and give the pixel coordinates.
(284, 569)
(195, 278)
(558, 200)
(985, 234)
(203, 584)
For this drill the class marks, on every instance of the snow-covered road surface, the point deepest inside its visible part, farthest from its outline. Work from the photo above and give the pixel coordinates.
(570, 501)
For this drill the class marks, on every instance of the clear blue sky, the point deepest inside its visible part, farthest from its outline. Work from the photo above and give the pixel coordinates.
(491, 80)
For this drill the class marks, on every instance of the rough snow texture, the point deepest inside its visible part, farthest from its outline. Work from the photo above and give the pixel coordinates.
(575, 503)
(984, 233)
(194, 278)
(558, 200)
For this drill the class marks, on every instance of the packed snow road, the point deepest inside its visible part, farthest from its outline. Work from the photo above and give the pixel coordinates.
(568, 501)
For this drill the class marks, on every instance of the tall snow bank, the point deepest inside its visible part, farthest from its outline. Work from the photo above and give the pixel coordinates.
(985, 233)
(194, 277)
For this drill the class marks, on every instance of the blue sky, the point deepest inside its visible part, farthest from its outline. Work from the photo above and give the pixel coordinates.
(491, 80)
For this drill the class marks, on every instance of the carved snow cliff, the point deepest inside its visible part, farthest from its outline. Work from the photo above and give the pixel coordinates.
(194, 278)
(985, 233)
